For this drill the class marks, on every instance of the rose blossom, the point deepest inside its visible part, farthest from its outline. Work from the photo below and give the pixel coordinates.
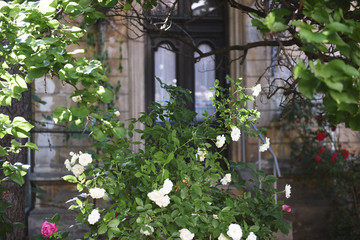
(117, 113)
(251, 236)
(74, 157)
(318, 159)
(67, 164)
(234, 231)
(77, 170)
(287, 190)
(265, 146)
(146, 232)
(321, 150)
(48, 229)
(222, 237)
(201, 152)
(220, 141)
(167, 187)
(226, 179)
(235, 134)
(185, 234)
(97, 192)
(321, 136)
(345, 153)
(256, 90)
(286, 208)
(159, 198)
(85, 159)
(77, 98)
(94, 216)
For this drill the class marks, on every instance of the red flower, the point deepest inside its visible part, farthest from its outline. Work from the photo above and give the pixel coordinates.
(333, 128)
(332, 159)
(320, 136)
(286, 208)
(297, 120)
(334, 155)
(48, 229)
(345, 153)
(318, 159)
(321, 150)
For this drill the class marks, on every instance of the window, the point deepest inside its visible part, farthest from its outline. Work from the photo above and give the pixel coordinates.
(170, 53)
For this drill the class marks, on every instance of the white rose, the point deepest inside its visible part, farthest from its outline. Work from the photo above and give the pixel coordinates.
(256, 90)
(76, 98)
(186, 234)
(94, 217)
(235, 134)
(67, 164)
(220, 141)
(85, 159)
(74, 157)
(265, 146)
(251, 236)
(77, 170)
(287, 190)
(97, 192)
(201, 153)
(226, 179)
(146, 232)
(159, 198)
(234, 231)
(215, 216)
(222, 237)
(117, 113)
(167, 187)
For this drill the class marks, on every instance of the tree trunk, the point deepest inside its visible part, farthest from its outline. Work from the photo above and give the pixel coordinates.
(16, 194)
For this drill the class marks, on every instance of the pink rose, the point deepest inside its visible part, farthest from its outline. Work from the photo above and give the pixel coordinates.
(48, 229)
(286, 208)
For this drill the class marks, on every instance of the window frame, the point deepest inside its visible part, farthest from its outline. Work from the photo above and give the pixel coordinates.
(211, 30)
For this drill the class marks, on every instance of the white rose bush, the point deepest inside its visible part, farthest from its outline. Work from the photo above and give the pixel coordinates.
(179, 185)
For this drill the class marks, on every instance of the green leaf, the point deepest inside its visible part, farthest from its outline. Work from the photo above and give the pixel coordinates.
(254, 228)
(31, 145)
(343, 97)
(105, 95)
(197, 189)
(98, 134)
(119, 132)
(70, 178)
(3, 152)
(80, 112)
(127, 6)
(21, 123)
(169, 158)
(139, 201)
(34, 73)
(114, 223)
(17, 178)
(339, 27)
(102, 229)
(307, 83)
(310, 36)
(270, 178)
(62, 114)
